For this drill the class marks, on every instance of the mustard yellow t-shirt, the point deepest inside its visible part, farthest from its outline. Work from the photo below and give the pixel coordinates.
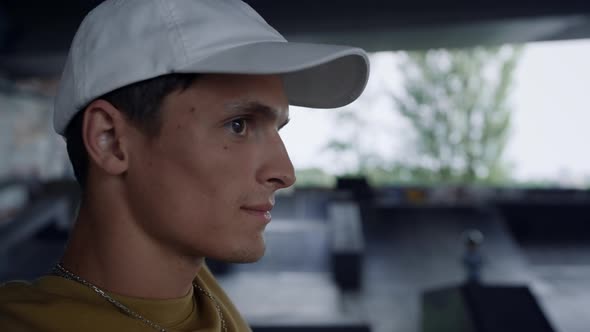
(52, 304)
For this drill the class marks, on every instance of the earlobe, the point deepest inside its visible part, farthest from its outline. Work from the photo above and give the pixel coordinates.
(103, 134)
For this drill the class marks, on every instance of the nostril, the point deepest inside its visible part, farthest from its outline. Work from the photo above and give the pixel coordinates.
(280, 181)
(285, 181)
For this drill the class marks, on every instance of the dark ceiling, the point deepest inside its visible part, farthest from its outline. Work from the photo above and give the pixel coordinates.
(35, 34)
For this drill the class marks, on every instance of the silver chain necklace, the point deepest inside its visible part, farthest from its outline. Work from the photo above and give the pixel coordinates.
(63, 272)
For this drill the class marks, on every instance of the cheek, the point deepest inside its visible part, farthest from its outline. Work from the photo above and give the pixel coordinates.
(193, 201)
(188, 174)
(198, 177)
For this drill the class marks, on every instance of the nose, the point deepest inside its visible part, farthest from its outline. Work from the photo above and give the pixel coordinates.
(277, 170)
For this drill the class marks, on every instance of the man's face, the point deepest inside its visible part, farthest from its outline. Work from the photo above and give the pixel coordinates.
(205, 185)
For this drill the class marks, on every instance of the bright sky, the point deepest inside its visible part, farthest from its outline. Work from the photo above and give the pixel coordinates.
(550, 125)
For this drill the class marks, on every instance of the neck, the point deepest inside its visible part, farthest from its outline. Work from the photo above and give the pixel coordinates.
(109, 249)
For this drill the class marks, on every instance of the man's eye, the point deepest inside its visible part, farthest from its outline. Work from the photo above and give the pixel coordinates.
(238, 126)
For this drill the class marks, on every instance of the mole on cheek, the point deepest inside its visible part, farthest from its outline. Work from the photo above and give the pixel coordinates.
(225, 147)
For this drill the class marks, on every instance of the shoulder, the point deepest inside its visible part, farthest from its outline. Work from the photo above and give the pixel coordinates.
(45, 291)
(17, 291)
(16, 297)
(43, 304)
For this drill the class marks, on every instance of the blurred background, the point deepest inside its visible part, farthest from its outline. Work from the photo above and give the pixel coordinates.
(452, 196)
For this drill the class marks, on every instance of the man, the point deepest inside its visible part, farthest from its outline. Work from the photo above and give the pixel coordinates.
(171, 111)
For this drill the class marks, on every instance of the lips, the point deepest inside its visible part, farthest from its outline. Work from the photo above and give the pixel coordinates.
(259, 210)
(260, 207)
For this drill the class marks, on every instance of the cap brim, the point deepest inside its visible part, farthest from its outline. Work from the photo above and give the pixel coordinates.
(315, 75)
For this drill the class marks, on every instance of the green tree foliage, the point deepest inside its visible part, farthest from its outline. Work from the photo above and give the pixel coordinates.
(457, 103)
(351, 149)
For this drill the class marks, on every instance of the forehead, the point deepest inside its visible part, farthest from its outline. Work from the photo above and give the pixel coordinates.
(229, 89)
(215, 96)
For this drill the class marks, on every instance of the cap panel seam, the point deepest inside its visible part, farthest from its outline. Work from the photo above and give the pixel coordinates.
(171, 22)
(75, 88)
(79, 69)
(82, 90)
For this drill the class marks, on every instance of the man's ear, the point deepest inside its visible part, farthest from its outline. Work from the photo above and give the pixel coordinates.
(104, 134)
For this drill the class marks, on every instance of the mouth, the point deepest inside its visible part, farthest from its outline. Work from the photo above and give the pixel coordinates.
(261, 211)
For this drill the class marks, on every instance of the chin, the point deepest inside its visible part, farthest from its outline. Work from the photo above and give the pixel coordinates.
(249, 257)
(247, 254)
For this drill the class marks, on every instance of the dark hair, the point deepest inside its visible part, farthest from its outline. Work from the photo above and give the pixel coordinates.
(139, 102)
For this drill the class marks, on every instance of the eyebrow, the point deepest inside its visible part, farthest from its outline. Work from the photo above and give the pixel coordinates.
(249, 106)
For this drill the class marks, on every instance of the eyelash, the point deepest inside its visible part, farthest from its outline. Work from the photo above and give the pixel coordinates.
(248, 122)
(244, 120)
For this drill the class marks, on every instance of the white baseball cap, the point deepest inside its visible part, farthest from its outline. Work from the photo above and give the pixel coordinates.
(121, 42)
